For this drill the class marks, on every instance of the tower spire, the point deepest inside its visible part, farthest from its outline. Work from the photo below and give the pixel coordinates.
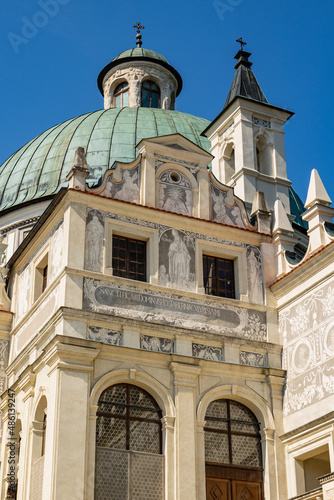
(138, 36)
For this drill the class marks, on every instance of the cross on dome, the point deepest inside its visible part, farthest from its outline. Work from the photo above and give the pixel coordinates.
(138, 36)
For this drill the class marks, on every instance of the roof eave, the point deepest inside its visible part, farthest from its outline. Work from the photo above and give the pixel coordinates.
(118, 62)
(267, 105)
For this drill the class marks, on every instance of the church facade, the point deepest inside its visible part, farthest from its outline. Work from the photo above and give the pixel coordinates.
(166, 302)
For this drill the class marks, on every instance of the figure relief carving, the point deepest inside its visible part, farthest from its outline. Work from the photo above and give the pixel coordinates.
(94, 240)
(207, 352)
(156, 344)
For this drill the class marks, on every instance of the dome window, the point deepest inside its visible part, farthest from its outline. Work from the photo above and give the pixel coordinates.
(121, 95)
(150, 95)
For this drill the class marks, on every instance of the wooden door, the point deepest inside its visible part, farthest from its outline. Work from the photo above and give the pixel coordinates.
(233, 483)
(218, 489)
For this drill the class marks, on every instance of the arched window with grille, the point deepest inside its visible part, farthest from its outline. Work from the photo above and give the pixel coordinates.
(121, 95)
(150, 95)
(232, 452)
(129, 460)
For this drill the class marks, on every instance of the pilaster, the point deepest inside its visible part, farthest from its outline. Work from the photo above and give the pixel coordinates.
(186, 387)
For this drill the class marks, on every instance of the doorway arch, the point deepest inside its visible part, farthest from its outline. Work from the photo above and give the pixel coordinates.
(233, 458)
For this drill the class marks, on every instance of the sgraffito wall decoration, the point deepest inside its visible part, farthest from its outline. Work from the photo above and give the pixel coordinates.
(255, 275)
(127, 189)
(207, 352)
(173, 310)
(221, 212)
(94, 240)
(308, 348)
(105, 335)
(177, 259)
(175, 193)
(157, 344)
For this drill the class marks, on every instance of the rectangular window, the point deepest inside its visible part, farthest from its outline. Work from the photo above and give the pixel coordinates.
(218, 276)
(129, 258)
(41, 276)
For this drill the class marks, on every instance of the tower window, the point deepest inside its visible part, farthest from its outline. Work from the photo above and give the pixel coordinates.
(121, 95)
(218, 276)
(129, 258)
(150, 95)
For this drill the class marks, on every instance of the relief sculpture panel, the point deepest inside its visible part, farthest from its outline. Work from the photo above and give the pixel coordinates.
(308, 349)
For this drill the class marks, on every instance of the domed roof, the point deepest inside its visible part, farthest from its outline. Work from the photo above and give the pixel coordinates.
(139, 52)
(39, 168)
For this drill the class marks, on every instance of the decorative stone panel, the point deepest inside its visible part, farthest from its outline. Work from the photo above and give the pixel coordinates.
(252, 358)
(111, 337)
(207, 352)
(156, 344)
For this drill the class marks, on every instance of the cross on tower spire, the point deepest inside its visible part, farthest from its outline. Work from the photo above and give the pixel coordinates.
(242, 43)
(138, 36)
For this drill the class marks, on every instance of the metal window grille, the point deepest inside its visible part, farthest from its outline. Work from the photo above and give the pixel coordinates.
(37, 479)
(218, 276)
(127, 475)
(232, 435)
(129, 258)
(129, 463)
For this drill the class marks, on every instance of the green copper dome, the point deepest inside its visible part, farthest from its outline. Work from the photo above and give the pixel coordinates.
(39, 168)
(139, 52)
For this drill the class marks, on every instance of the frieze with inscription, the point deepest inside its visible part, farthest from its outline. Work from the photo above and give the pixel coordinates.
(173, 310)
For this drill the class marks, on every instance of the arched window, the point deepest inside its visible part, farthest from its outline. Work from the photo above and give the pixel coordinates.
(128, 445)
(38, 447)
(264, 156)
(150, 95)
(121, 95)
(232, 451)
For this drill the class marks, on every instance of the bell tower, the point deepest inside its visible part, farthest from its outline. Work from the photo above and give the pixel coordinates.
(247, 140)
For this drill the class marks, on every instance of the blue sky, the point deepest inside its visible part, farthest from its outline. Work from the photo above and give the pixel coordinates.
(49, 72)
